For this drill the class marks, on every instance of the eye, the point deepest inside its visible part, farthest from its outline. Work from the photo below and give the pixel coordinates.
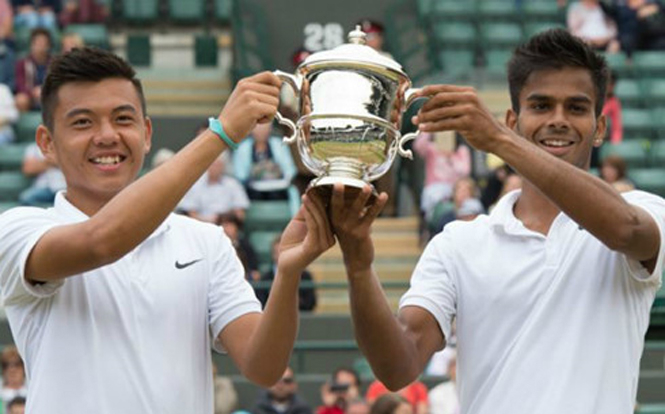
(539, 106)
(125, 118)
(81, 122)
(579, 109)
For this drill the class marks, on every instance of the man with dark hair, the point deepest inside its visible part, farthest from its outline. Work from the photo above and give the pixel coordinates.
(31, 71)
(113, 301)
(16, 406)
(552, 291)
(282, 398)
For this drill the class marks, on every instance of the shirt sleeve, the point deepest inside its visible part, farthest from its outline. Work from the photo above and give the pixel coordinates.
(433, 286)
(20, 230)
(230, 296)
(655, 206)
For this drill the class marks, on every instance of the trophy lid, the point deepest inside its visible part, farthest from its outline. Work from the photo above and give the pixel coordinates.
(356, 51)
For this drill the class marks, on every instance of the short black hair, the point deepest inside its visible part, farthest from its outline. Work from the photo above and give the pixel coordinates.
(40, 31)
(555, 49)
(16, 401)
(351, 371)
(87, 64)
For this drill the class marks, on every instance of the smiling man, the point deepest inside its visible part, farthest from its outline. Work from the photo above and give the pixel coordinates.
(114, 302)
(551, 292)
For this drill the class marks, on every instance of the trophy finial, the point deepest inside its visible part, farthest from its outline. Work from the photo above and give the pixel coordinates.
(357, 36)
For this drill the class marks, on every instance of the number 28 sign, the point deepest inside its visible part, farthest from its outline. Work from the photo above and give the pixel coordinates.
(322, 36)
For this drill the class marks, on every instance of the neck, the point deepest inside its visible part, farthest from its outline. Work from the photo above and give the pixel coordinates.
(88, 205)
(534, 210)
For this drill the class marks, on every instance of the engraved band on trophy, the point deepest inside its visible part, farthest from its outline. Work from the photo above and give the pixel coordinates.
(351, 101)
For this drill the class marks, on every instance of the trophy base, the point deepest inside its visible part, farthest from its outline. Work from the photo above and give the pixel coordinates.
(352, 189)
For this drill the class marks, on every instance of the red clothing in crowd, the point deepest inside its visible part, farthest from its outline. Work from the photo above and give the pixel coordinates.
(612, 110)
(415, 393)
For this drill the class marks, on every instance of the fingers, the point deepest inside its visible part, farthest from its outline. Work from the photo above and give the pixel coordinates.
(267, 78)
(337, 202)
(360, 201)
(317, 223)
(432, 90)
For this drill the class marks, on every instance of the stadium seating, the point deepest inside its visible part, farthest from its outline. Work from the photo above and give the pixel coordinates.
(11, 156)
(92, 34)
(186, 12)
(27, 126)
(649, 179)
(267, 216)
(638, 123)
(649, 63)
(140, 11)
(633, 151)
(629, 93)
(11, 185)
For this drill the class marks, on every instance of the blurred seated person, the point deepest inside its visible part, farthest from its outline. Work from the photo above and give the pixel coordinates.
(465, 203)
(83, 11)
(587, 20)
(415, 394)
(215, 193)
(225, 394)
(340, 392)
(71, 40)
(13, 375)
(374, 31)
(8, 115)
(443, 398)
(650, 23)
(391, 403)
(282, 398)
(233, 228)
(265, 166)
(48, 179)
(7, 44)
(16, 406)
(31, 71)
(613, 170)
(36, 13)
(306, 294)
(161, 156)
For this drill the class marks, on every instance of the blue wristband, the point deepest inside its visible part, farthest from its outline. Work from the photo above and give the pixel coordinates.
(215, 126)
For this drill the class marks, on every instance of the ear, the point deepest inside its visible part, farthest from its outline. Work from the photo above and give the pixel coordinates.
(601, 131)
(511, 119)
(44, 141)
(148, 134)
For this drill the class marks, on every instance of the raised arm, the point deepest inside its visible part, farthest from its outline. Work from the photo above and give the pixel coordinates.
(588, 200)
(261, 344)
(134, 213)
(397, 348)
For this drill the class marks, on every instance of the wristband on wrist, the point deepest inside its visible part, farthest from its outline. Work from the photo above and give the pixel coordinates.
(215, 126)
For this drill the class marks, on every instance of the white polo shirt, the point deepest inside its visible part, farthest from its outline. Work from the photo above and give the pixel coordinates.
(209, 199)
(545, 324)
(130, 337)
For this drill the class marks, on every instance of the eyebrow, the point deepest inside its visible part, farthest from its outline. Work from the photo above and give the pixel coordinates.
(576, 98)
(121, 108)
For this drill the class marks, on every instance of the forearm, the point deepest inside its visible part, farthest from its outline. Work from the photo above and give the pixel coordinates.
(588, 200)
(269, 349)
(392, 354)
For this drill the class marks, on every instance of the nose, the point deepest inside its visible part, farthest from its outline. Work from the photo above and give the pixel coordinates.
(106, 134)
(558, 120)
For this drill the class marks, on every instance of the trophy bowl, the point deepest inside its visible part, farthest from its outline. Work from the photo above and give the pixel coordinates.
(350, 104)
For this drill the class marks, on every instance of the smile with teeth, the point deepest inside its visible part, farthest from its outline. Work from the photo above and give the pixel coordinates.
(109, 160)
(556, 143)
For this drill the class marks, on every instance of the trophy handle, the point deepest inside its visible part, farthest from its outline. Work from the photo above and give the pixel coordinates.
(293, 82)
(410, 97)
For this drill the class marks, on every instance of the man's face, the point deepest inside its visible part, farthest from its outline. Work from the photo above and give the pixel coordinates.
(17, 409)
(285, 388)
(99, 139)
(346, 378)
(40, 45)
(557, 114)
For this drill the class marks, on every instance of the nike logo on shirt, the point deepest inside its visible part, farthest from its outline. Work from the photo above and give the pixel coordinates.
(179, 265)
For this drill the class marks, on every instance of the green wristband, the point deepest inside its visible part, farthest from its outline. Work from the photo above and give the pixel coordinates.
(215, 126)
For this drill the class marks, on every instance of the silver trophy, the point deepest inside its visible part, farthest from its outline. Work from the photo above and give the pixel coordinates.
(351, 101)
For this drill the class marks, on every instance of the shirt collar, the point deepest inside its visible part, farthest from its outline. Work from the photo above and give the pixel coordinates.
(73, 215)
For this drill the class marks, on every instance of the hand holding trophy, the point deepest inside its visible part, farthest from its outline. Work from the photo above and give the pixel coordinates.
(351, 101)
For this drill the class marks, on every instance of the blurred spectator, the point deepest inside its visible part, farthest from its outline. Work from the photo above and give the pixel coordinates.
(13, 375)
(8, 114)
(306, 295)
(48, 178)
(492, 189)
(641, 23)
(391, 404)
(443, 398)
(265, 166)
(465, 190)
(215, 193)
(7, 45)
(338, 394)
(36, 13)
(31, 71)
(71, 41)
(444, 166)
(16, 406)
(612, 110)
(613, 170)
(414, 393)
(161, 156)
(375, 35)
(282, 398)
(357, 406)
(233, 228)
(225, 394)
(587, 20)
(83, 11)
